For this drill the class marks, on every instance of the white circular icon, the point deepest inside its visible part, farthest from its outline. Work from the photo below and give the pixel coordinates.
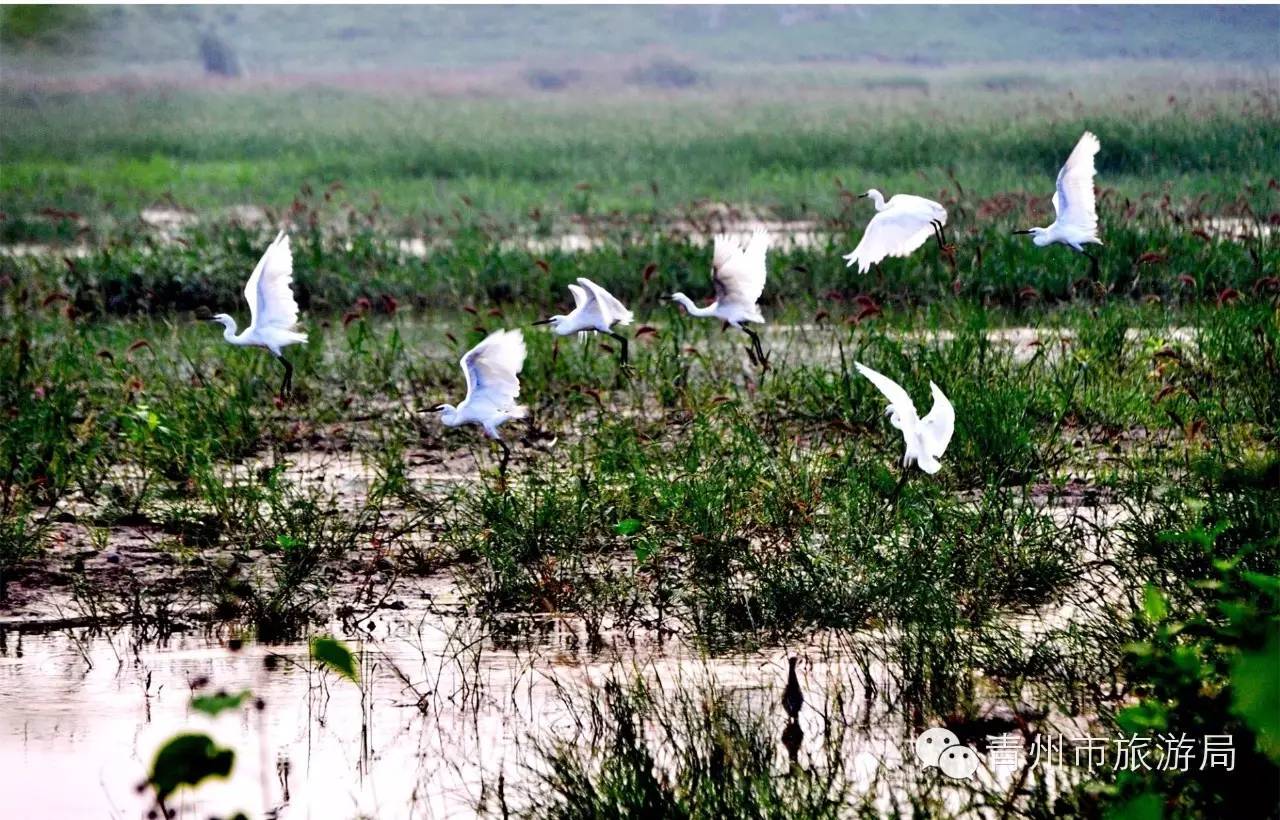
(959, 762)
(932, 743)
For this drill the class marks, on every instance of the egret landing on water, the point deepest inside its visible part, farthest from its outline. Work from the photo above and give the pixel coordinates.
(927, 438)
(1077, 220)
(492, 369)
(272, 309)
(900, 225)
(595, 310)
(738, 275)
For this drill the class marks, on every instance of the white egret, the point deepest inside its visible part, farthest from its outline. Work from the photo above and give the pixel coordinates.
(927, 437)
(595, 310)
(738, 275)
(1077, 220)
(900, 225)
(492, 369)
(272, 309)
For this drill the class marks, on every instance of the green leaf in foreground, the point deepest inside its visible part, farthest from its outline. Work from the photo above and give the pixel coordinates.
(1146, 806)
(334, 654)
(1154, 604)
(1255, 682)
(215, 704)
(186, 760)
(627, 526)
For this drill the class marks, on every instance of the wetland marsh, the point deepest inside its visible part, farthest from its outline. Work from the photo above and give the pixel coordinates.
(604, 630)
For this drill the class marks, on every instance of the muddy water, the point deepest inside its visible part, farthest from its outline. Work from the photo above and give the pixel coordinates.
(442, 710)
(168, 224)
(445, 710)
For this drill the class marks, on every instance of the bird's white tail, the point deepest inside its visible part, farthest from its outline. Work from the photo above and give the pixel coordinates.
(918, 452)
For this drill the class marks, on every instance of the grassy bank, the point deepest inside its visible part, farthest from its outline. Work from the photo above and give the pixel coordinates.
(542, 163)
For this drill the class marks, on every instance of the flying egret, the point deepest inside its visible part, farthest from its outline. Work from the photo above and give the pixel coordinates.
(1077, 221)
(900, 225)
(594, 310)
(272, 309)
(738, 275)
(927, 437)
(492, 369)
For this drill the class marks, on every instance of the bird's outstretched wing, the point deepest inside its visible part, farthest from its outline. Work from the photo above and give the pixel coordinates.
(936, 428)
(890, 233)
(898, 398)
(611, 309)
(493, 367)
(739, 273)
(269, 290)
(579, 296)
(1073, 201)
(926, 209)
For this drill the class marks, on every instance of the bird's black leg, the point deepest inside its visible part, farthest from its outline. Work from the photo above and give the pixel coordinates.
(622, 340)
(897, 488)
(287, 385)
(937, 233)
(1093, 264)
(506, 456)
(755, 344)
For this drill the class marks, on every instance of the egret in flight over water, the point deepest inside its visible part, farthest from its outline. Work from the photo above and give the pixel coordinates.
(738, 275)
(272, 309)
(900, 225)
(1077, 220)
(594, 310)
(492, 369)
(927, 438)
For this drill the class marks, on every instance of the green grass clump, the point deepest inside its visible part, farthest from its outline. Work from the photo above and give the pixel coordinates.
(684, 754)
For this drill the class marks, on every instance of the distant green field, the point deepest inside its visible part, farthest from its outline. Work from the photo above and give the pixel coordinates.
(540, 162)
(533, 117)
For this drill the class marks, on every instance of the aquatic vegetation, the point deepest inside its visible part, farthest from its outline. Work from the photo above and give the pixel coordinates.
(1204, 677)
(685, 753)
(1098, 547)
(335, 655)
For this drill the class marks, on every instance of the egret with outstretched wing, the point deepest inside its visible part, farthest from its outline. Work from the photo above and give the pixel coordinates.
(738, 276)
(1076, 224)
(273, 312)
(492, 369)
(595, 311)
(900, 225)
(926, 438)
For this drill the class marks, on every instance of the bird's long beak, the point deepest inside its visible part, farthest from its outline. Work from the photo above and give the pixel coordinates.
(437, 408)
(542, 322)
(1016, 233)
(862, 196)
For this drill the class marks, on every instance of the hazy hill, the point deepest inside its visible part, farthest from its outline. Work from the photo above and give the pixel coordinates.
(264, 40)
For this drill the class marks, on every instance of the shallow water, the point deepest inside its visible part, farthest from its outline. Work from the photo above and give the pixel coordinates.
(168, 224)
(441, 710)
